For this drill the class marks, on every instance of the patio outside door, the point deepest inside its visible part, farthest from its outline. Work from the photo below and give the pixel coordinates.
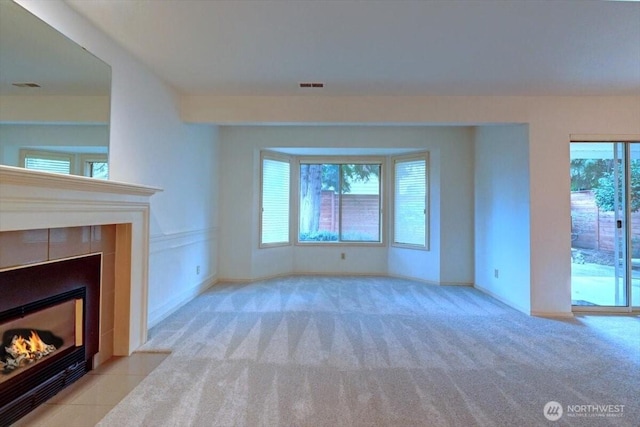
(605, 225)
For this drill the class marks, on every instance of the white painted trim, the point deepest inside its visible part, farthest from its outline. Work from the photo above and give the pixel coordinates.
(239, 281)
(171, 306)
(456, 284)
(171, 241)
(277, 276)
(553, 314)
(344, 274)
(416, 279)
(504, 301)
(24, 177)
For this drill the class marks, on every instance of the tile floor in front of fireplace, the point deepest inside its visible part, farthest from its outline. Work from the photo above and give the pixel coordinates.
(85, 402)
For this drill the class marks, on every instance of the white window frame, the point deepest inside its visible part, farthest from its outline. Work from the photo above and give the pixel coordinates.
(407, 158)
(270, 155)
(340, 160)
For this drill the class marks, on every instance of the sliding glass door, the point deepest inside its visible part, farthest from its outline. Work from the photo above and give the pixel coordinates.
(634, 219)
(605, 225)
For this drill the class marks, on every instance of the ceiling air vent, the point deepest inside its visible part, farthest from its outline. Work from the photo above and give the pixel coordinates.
(312, 85)
(26, 84)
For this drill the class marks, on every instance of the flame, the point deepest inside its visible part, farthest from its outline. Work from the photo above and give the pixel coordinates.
(23, 351)
(35, 342)
(30, 348)
(20, 346)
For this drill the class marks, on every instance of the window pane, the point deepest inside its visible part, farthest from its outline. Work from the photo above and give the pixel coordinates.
(275, 201)
(319, 214)
(360, 203)
(99, 170)
(339, 202)
(48, 164)
(410, 202)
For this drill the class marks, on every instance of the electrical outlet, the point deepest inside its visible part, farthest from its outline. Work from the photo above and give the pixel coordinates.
(343, 256)
(496, 273)
(197, 269)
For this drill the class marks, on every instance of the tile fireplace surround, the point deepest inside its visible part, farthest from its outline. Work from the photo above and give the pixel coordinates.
(36, 201)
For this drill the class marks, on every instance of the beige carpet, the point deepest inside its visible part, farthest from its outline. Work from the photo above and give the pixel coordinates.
(354, 351)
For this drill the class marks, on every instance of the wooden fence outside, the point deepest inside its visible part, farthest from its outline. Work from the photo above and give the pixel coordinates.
(592, 228)
(360, 213)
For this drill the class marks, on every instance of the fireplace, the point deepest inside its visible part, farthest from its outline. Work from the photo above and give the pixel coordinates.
(49, 327)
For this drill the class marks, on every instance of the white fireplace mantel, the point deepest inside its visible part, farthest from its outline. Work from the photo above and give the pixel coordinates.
(36, 200)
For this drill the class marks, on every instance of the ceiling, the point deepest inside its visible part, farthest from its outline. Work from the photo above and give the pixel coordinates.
(368, 47)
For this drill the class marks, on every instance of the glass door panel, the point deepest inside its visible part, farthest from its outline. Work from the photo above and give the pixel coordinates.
(598, 226)
(634, 222)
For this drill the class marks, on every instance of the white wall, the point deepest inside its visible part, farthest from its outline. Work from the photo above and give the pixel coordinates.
(240, 154)
(457, 212)
(150, 145)
(502, 214)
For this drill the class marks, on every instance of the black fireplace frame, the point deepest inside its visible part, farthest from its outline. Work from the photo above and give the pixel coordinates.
(29, 289)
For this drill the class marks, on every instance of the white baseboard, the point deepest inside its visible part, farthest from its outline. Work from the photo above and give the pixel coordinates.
(529, 312)
(427, 282)
(168, 308)
(455, 284)
(415, 279)
(560, 314)
(342, 274)
(525, 310)
(298, 273)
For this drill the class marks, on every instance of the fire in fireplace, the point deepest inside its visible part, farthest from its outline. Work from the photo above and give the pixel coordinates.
(49, 321)
(26, 347)
(28, 340)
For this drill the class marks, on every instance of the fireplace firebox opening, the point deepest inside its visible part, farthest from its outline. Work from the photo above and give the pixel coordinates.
(49, 327)
(29, 340)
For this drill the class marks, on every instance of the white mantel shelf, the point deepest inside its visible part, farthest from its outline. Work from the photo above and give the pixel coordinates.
(20, 176)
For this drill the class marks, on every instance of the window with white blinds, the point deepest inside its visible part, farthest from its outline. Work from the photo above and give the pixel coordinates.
(48, 162)
(274, 204)
(410, 211)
